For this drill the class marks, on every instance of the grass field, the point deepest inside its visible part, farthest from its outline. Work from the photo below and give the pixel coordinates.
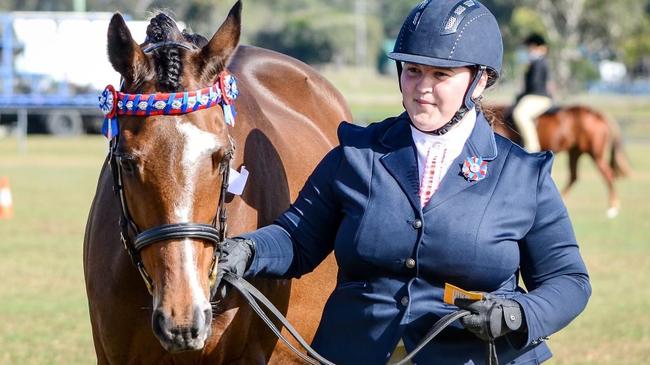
(43, 309)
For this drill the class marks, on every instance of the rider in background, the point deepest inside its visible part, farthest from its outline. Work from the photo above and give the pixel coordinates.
(535, 99)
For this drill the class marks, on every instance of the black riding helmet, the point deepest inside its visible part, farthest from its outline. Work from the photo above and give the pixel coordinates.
(535, 39)
(452, 33)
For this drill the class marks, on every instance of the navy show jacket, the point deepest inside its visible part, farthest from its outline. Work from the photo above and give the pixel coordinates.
(394, 257)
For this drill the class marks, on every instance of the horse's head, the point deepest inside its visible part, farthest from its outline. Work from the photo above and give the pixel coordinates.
(170, 166)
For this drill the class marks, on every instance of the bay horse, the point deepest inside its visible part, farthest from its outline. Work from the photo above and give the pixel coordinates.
(577, 129)
(169, 170)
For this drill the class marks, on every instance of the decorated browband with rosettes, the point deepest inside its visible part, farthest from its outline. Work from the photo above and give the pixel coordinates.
(114, 103)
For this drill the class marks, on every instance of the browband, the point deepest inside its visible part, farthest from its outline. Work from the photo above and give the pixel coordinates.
(115, 103)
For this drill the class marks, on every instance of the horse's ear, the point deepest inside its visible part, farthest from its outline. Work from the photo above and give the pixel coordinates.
(215, 55)
(124, 53)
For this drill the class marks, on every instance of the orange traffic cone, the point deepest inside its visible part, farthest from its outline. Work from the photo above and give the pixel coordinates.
(6, 204)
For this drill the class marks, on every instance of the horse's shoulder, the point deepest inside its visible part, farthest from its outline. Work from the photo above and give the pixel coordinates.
(262, 65)
(284, 88)
(245, 54)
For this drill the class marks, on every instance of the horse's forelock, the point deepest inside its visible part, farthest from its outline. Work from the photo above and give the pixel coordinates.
(169, 65)
(161, 28)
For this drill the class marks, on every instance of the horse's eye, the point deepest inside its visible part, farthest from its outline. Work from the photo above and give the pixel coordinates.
(128, 165)
(221, 160)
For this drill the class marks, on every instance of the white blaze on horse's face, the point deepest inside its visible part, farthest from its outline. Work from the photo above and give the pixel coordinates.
(198, 144)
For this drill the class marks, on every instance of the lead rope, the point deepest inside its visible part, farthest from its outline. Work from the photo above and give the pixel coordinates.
(491, 355)
(252, 296)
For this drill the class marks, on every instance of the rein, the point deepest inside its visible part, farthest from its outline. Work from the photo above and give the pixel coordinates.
(253, 296)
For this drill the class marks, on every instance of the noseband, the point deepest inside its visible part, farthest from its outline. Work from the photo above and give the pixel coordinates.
(114, 104)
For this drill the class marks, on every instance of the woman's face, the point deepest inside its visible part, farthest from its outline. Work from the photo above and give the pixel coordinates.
(432, 95)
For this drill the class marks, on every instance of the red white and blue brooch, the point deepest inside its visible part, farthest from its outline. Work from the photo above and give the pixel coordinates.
(474, 169)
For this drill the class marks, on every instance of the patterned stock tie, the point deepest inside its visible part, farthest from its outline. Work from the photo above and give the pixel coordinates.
(432, 172)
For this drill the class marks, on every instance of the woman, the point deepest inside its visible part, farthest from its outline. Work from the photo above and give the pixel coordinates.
(430, 197)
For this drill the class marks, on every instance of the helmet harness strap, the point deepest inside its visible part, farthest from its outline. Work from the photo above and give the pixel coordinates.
(399, 74)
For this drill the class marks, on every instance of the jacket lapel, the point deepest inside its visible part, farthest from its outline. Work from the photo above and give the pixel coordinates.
(481, 143)
(400, 160)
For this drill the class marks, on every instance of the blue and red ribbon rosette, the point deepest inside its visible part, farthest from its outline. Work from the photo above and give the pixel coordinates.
(474, 168)
(108, 106)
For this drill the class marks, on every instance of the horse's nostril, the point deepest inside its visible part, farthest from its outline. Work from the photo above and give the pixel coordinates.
(160, 324)
(201, 323)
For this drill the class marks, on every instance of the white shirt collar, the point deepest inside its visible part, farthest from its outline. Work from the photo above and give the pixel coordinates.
(456, 136)
(453, 141)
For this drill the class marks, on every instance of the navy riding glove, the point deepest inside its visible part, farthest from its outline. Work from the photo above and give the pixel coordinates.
(491, 317)
(236, 256)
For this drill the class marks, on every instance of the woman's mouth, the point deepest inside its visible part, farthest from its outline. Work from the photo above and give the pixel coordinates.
(424, 102)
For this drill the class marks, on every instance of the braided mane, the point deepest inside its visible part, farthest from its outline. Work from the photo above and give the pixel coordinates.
(168, 60)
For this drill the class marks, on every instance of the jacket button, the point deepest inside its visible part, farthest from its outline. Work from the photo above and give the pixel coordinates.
(417, 224)
(410, 263)
(405, 301)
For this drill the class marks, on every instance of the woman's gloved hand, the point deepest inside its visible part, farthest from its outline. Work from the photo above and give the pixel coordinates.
(236, 256)
(491, 316)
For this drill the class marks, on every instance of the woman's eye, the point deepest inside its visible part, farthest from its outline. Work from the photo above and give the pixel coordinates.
(440, 75)
(413, 72)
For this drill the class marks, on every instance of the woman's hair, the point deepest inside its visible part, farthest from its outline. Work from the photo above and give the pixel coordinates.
(489, 114)
(492, 77)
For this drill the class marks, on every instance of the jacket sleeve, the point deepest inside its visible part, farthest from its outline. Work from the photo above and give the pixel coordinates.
(551, 266)
(303, 236)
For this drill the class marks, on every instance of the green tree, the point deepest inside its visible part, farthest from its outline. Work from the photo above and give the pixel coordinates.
(578, 27)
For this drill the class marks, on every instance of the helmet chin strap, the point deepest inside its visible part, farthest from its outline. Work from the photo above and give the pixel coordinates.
(468, 104)
(469, 101)
(399, 74)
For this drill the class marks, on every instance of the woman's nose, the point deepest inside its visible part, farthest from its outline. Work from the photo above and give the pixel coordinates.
(425, 84)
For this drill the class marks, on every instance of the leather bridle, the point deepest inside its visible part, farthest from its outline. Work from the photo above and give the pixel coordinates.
(114, 104)
(135, 240)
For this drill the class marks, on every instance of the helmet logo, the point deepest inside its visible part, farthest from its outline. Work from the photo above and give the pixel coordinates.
(417, 17)
(456, 16)
(423, 4)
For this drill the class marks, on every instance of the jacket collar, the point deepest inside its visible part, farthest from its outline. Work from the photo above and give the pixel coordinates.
(401, 162)
(400, 159)
(481, 140)
(398, 134)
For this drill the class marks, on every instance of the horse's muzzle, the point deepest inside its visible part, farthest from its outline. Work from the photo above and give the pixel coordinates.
(176, 337)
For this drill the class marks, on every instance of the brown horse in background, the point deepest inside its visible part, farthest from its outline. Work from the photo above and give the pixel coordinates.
(286, 122)
(577, 129)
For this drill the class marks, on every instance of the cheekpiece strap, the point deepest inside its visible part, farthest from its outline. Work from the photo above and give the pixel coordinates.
(114, 104)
